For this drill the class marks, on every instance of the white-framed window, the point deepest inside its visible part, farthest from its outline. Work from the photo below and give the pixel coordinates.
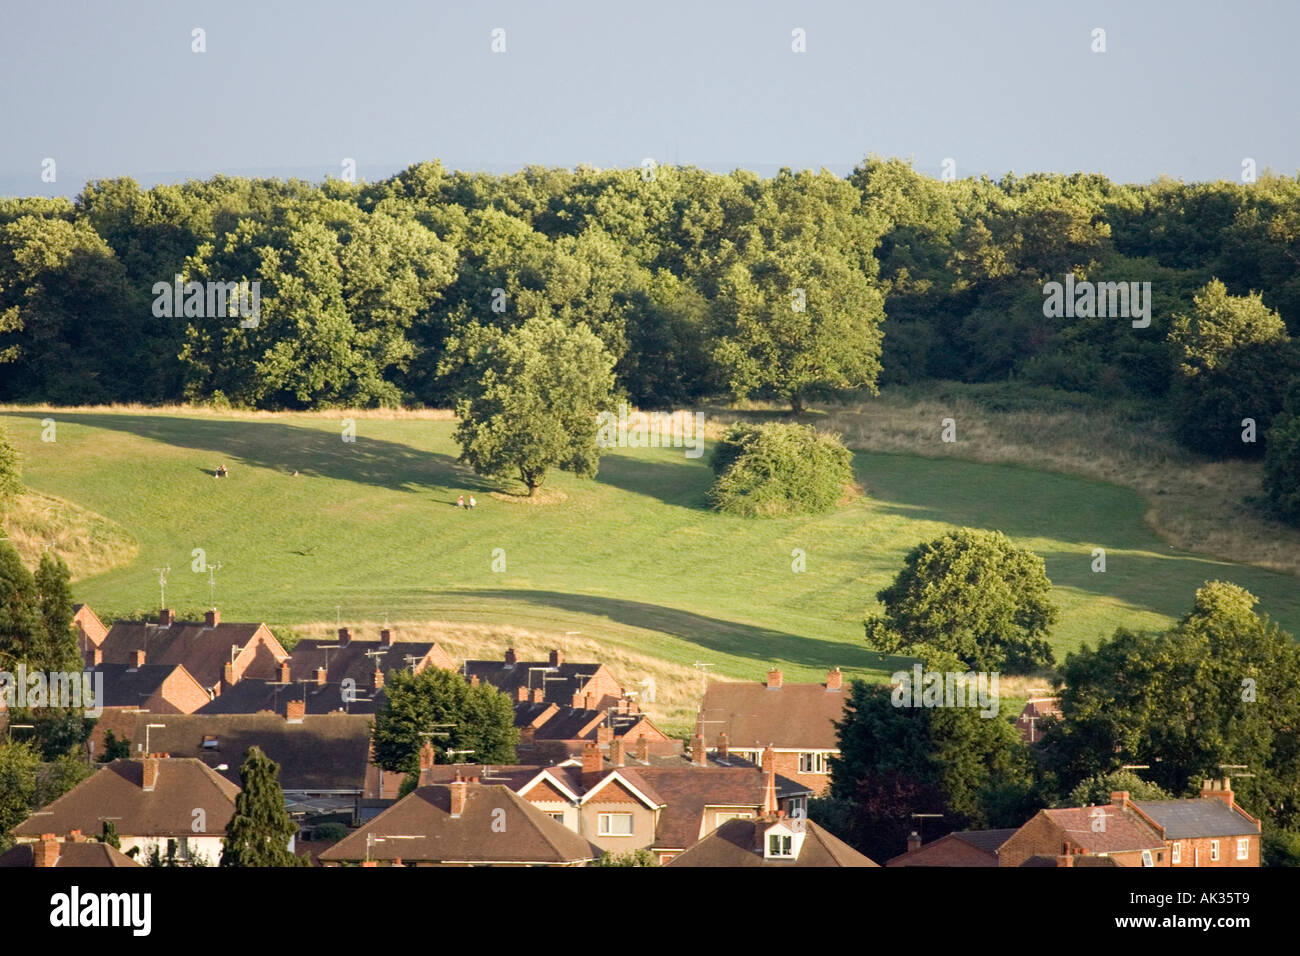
(812, 763)
(1178, 852)
(780, 845)
(1214, 850)
(614, 824)
(558, 817)
(728, 815)
(1243, 848)
(1146, 858)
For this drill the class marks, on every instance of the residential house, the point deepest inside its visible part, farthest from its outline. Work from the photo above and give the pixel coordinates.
(581, 686)
(551, 731)
(962, 848)
(1210, 831)
(462, 823)
(217, 654)
(175, 804)
(156, 688)
(1037, 711)
(796, 720)
(663, 803)
(90, 631)
(772, 840)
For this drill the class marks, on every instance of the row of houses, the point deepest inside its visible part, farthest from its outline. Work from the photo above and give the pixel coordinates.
(590, 764)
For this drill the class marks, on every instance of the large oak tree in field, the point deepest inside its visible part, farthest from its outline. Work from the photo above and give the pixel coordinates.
(535, 404)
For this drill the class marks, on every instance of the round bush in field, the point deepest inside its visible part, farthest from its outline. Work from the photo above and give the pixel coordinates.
(778, 469)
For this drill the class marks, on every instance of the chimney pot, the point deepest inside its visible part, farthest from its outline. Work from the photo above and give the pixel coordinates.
(774, 678)
(211, 617)
(46, 852)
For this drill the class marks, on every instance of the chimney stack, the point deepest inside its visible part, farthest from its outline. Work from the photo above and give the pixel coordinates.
(386, 638)
(774, 679)
(378, 681)
(557, 657)
(769, 793)
(511, 657)
(97, 656)
(294, 711)
(643, 750)
(913, 841)
(1218, 790)
(284, 672)
(834, 679)
(699, 753)
(345, 637)
(428, 756)
(616, 751)
(521, 694)
(458, 788)
(539, 695)
(722, 746)
(769, 759)
(149, 779)
(1119, 798)
(211, 617)
(228, 674)
(473, 680)
(166, 617)
(321, 677)
(137, 659)
(46, 852)
(604, 734)
(591, 759)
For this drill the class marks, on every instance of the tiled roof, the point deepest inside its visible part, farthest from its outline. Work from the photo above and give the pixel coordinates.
(986, 840)
(789, 716)
(115, 792)
(559, 682)
(1124, 830)
(253, 695)
(522, 834)
(328, 752)
(203, 650)
(1198, 817)
(353, 659)
(737, 843)
(127, 686)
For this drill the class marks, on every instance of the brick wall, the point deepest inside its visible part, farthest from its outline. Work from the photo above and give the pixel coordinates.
(1197, 852)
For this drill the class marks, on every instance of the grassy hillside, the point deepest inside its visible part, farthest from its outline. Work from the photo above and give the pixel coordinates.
(631, 560)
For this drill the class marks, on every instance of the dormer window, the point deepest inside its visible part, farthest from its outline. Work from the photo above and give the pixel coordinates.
(781, 842)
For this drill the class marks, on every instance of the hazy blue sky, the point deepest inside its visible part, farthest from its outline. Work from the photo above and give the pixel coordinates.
(112, 88)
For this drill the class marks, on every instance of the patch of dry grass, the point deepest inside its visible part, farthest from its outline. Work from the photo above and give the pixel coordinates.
(1193, 504)
(678, 688)
(88, 542)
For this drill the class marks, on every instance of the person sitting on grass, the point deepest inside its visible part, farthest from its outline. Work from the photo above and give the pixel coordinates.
(472, 501)
(460, 502)
(222, 472)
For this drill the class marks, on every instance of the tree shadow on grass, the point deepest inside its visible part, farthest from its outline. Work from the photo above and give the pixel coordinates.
(673, 480)
(715, 634)
(287, 448)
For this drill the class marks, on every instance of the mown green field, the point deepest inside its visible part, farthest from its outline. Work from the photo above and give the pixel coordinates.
(632, 557)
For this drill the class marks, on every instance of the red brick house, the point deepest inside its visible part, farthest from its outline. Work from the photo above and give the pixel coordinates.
(218, 655)
(1210, 831)
(156, 688)
(580, 686)
(76, 852)
(554, 732)
(1037, 711)
(796, 720)
(90, 631)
